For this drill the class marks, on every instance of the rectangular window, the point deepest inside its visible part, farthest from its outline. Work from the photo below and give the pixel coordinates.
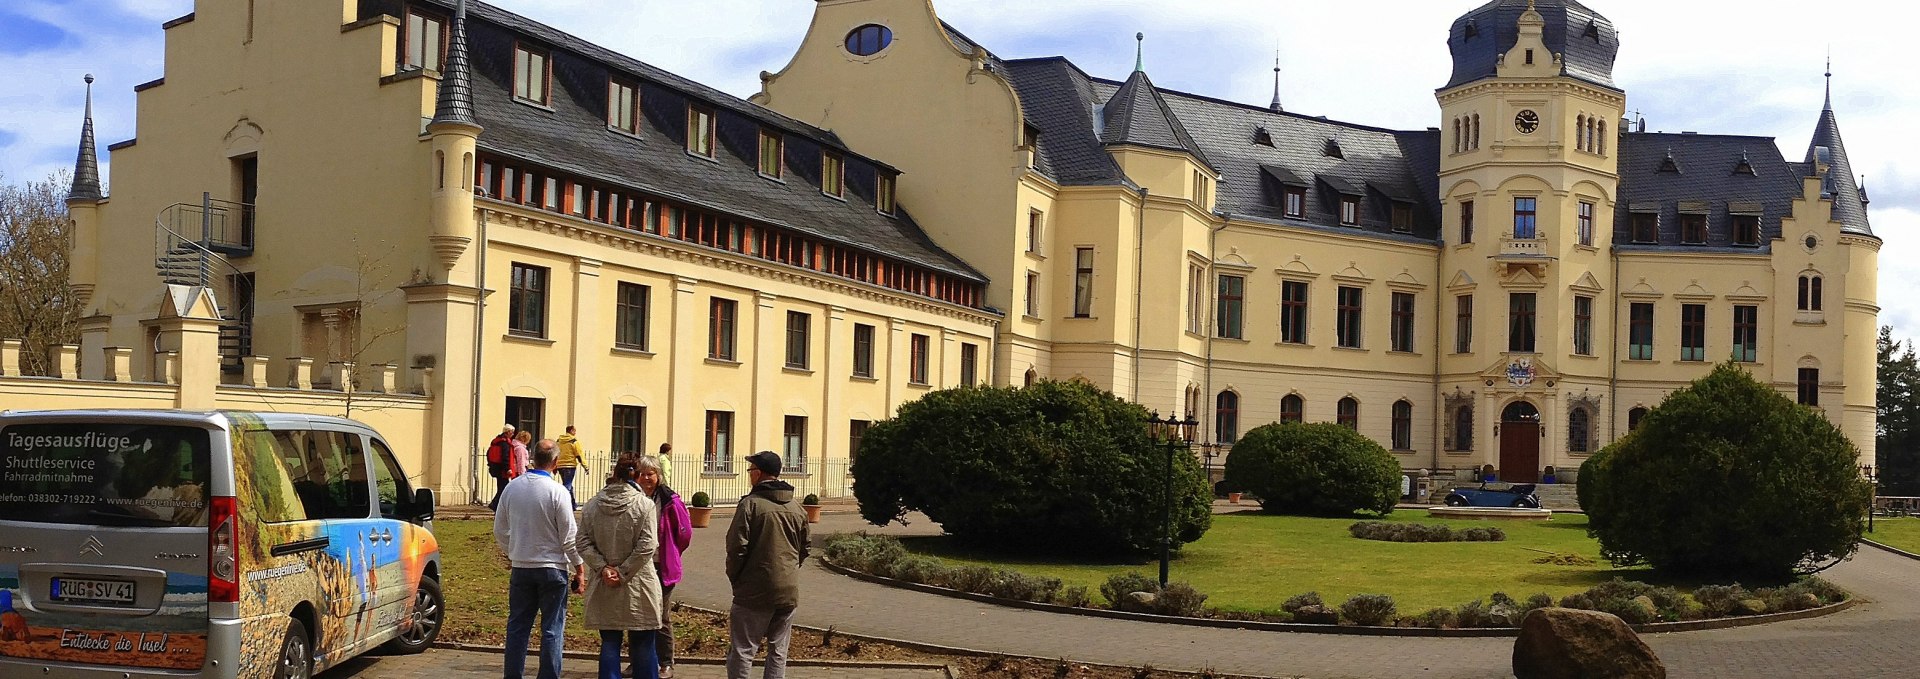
(527, 414)
(426, 42)
(1809, 299)
(1401, 327)
(700, 131)
(1293, 202)
(1196, 298)
(1583, 325)
(623, 106)
(1584, 227)
(1033, 294)
(883, 194)
(1640, 332)
(862, 350)
(1083, 282)
(1525, 217)
(917, 367)
(1746, 229)
(527, 301)
(1293, 312)
(1349, 211)
(550, 193)
(1644, 227)
(1347, 325)
(771, 146)
(629, 430)
(630, 316)
(1035, 220)
(718, 455)
(1463, 324)
(799, 338)
(969, 363)
(856, 430)
(1693, 229)
(720, 329)
(793, 445)
(1746, 333)
(1232, 298)
(1810, 386)
(1693, 332)
(1402, 218)
(1466, 221)
(832, 177)
(1520, 322)
(577, 200)
(530, 75)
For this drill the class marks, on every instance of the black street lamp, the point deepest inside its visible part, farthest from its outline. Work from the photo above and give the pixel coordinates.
(1175, 435)
(1873, 482)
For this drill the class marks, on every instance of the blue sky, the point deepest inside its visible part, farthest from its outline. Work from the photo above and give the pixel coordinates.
(1714, 66)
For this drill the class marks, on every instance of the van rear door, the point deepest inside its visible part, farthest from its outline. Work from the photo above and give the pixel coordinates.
(103, 541)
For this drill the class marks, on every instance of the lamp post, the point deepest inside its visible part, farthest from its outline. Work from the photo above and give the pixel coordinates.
(1173, 434)
(1873, 483)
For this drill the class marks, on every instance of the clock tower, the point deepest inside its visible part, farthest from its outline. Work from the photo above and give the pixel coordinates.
(1528, 179)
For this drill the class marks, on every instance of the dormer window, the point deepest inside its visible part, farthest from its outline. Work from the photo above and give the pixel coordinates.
(1592, 32)
(426, 45)
(1293, 201)
(771, 148)
(1644, 227)
(1668, 164)
(1745, 166)
(1402, 217)
(1349, 210)
(1529, 56)
(1030, 137)
(883, 194)
(531, 74)
(1472, 31)
(1262, 137)
(1693, 229)
(1332, 149)
(832, 174)
(623, 106)
(1746, 229)
(700, 130)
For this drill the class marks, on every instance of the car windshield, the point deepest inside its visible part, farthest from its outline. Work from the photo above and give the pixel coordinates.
(107, 474)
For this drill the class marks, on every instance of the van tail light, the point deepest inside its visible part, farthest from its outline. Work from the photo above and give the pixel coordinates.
(223, 558)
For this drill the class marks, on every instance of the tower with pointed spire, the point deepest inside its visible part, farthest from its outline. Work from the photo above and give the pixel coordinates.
(83, 203)
(454, 134)
(1275, 106)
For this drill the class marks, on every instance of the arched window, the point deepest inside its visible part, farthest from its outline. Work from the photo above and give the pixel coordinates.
(1809, 292)
(1456, 135)
(1192, 402)
(1031, 376)
(1292, 409)
(1580, 134)
(466, 170)
(1226, 418)
(1347, 413)
(1402, 425)
(1463, 428)
(1476, 132)
(1634, 416)
(1579, 431)
(440, 169)
(1600, 138)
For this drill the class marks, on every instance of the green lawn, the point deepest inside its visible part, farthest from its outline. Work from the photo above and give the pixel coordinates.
(1903, 533)
(1253, 562)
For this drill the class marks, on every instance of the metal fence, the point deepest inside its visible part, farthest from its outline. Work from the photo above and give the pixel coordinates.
(687, 473)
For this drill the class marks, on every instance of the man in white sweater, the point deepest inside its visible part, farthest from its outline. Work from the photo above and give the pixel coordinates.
(534, 526)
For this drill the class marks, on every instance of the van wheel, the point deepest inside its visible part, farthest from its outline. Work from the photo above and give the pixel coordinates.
(296, 657)
(423, 626)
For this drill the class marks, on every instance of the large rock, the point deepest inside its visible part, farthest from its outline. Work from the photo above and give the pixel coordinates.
(1140, 602)
(1565, 643)
(1316, 615)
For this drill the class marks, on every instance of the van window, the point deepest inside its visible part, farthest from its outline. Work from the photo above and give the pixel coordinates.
(275, 497)
(104, 474)
(390, 484)
(329, 471)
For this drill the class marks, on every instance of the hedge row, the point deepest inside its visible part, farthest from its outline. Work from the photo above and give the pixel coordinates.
(1634, 602)
(1423, 532)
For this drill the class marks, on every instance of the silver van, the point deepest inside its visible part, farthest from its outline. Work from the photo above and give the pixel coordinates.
(207, 544)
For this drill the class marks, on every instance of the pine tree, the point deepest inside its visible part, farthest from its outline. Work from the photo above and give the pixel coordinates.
(1898, 396)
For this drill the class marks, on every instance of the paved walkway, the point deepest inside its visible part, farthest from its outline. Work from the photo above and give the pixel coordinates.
(1871, 640)
(446, 664)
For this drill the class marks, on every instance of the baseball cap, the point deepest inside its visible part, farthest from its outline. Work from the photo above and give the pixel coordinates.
(766, 461)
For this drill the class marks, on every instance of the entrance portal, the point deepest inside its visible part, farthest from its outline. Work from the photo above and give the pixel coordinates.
(1520, 443)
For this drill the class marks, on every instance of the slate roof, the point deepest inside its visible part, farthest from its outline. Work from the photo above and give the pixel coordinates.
(572, 136)
(86, 164)
(1587, 40)
(1849, 200)
(1708, 180)
(1138, 116)
(453, 103)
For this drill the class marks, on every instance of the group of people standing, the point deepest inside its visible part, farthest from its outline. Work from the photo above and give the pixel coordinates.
(624, 556)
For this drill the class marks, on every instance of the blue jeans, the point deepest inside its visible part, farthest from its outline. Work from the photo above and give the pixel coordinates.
(566, 479)
(646, 665)
(530, 590)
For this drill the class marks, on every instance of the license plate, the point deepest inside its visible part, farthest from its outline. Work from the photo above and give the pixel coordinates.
(77, 590)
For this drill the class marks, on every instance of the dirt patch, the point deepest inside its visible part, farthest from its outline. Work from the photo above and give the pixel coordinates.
(1565, 560)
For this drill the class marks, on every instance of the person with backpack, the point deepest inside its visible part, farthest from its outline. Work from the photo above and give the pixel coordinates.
(499, 456)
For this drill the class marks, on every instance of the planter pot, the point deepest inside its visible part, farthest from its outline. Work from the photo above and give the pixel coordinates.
(700, 516)
(1233, 498)
(813, 513)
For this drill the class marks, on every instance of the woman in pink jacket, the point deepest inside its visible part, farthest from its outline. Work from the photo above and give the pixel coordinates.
(676, 532)
(518, 465)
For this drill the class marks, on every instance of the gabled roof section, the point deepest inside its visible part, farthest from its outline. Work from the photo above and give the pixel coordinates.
(1707, 185)
(1849, 207)
(1138, 116)
(1058, 101)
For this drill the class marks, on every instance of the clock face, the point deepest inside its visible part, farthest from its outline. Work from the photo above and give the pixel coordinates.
(1526, 122)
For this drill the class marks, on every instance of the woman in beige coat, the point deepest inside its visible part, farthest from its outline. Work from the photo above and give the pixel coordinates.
(618, 538)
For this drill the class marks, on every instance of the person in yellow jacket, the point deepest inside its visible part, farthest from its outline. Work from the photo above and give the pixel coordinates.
(569, 462)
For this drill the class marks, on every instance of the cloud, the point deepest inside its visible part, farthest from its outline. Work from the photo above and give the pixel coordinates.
(20, 34)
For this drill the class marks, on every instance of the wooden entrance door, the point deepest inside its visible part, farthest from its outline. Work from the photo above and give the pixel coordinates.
(1520, 443)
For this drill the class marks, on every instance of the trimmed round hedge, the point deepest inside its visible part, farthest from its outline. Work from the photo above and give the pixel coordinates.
(1052, 468)
(1727, 478)
(1320, 469)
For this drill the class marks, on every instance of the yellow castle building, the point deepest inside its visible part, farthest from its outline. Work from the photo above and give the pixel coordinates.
(540, 231)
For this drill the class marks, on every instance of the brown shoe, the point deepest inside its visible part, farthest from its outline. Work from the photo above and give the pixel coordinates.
(666, 672)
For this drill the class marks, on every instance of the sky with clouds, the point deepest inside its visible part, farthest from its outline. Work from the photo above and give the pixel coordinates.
(1713, 66)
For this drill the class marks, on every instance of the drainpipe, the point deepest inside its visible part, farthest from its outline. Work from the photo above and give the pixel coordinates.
(1439, 349)
(479, 351)
(1213, 239)
(1613, 364)
(1139, 270)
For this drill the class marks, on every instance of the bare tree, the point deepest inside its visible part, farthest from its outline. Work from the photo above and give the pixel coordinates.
(373, 286)
(36, 306)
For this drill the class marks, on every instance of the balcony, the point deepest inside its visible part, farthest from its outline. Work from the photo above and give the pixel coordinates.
(1531, 254)
(222, 226)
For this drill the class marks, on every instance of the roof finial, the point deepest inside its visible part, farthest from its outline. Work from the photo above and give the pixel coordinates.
(1275, 106)
(455, 100)
(1139, 52)
(86, 166)
(1829, 104)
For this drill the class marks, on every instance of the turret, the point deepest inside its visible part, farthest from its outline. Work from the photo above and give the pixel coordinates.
(454, 133)
(83, 205)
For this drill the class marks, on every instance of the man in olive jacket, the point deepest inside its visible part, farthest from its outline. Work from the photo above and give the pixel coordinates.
(766, 544)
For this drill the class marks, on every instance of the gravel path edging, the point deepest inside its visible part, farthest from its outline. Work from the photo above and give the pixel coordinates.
(1891, 548)
(793, 662)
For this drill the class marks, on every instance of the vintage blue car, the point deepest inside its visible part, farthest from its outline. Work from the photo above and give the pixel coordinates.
(1494, 495)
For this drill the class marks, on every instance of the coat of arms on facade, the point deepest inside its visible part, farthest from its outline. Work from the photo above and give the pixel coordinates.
(1520, 372)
